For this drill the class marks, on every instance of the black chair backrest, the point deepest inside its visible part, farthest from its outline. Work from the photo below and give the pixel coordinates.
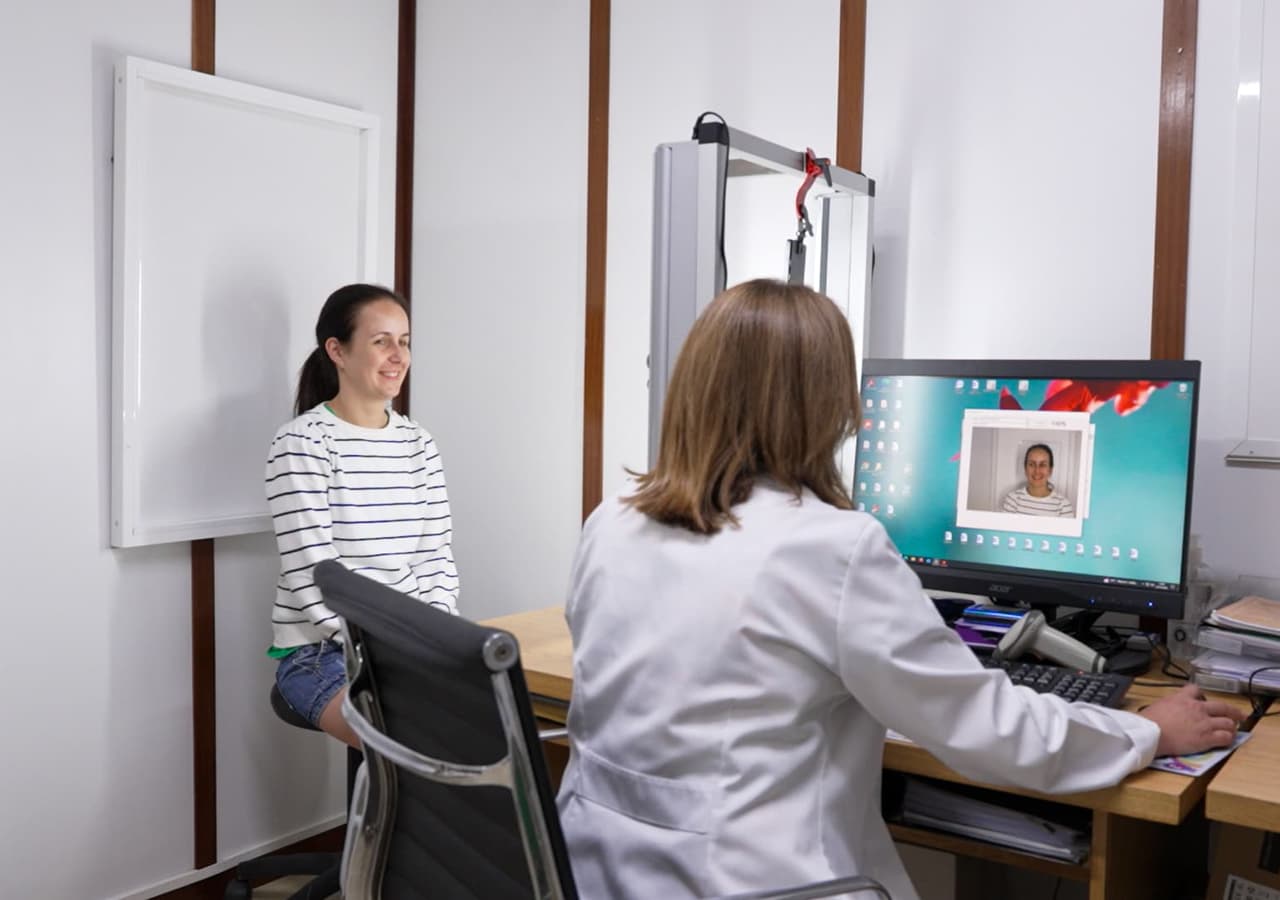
(448, 697)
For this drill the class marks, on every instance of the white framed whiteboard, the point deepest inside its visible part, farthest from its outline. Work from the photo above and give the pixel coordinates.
(237, 210)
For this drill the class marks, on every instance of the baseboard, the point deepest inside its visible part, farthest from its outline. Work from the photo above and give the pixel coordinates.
(192, 885)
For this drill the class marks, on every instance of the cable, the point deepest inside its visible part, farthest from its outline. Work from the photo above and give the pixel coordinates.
(724, 186)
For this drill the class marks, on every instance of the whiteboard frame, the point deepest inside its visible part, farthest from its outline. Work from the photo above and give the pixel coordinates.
(133, 77)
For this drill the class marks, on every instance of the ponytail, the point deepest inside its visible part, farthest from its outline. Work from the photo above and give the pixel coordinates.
(317, 382)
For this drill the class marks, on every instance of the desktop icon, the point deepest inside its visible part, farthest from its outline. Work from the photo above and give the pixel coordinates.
(977, 539)
(973, 385)
(1044, 546)
(1023, 386)
(1028, 544)
(1097, 549)
(1079, 549)
(889, 509)
(875, 488)
(1115, 552)
(995, 540)
(1133, 552)
(946, 537)
(884, 404)
(991, 384)
(879, 445)
(1062, 546)
(959, 384)
(964, 537)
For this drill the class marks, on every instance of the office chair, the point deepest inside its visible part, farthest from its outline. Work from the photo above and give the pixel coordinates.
(451, 803)
(326, 867)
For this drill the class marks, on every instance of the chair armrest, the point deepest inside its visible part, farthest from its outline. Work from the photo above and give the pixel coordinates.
(817, 889)
(550, 734)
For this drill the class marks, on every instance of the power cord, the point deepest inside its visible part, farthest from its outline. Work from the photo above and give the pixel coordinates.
(724, 185)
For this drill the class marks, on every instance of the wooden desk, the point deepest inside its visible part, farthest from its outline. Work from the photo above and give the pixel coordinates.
(1245, 790)
(1133, 847)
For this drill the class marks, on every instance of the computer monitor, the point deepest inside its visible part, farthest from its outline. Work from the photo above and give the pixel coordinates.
(1044, 483)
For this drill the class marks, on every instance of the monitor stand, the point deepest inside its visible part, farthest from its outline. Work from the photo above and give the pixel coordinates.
(1121, 658)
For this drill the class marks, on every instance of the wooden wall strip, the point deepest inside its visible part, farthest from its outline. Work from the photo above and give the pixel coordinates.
(203, 704)
(597, 223)
(851, 80)
(406, 80)
(1173, 180)
(202, 34)
(204, 722)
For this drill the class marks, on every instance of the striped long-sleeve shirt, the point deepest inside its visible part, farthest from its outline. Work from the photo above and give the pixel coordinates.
(1020, 500)
(372, 498)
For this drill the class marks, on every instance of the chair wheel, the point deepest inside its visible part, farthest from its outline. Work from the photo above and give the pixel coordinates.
(238, 889)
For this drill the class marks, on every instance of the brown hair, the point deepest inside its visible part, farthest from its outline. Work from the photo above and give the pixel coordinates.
(765, 386)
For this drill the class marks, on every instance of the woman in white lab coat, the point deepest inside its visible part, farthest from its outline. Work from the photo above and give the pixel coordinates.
(742, 638)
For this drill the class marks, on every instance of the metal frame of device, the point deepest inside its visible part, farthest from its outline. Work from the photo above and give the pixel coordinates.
(688, 224)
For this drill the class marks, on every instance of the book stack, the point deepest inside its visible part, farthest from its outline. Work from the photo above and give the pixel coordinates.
(982, 627)
(1241, 643)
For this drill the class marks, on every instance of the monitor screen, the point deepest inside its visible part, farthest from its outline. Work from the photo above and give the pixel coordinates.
(1050, 483)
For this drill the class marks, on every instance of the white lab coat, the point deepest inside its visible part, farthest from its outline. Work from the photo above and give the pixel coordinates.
(731, 694)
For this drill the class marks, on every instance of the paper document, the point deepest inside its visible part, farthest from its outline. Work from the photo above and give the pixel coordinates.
(930, 806)
(1195, 763)
(1251, 614)
(1227, 667)
(1242, 889)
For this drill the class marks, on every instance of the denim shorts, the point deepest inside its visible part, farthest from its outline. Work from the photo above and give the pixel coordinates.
(310, 676)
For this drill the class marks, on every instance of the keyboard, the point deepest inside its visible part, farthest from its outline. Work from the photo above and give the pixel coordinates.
(1102, 688)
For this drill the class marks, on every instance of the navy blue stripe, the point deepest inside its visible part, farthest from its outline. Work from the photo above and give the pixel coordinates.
(271, 497)
(293, 472)
(401, 503)
(298, 608)
(302, 509)
(441, 572)
(364, 440)
(383, 471)
(294, 434)
(389, 537)
(297, 453)
(285, 587)
(383, 521)
(303, 547)
(374, 555)
(281, 534)
(377, 487)
(378, 455)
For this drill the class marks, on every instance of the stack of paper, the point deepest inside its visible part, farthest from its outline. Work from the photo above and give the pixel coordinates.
(1242, 640)
(925, 804)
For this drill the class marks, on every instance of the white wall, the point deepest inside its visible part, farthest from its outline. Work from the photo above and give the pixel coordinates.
(1014, 148)
(1234, 200)
(498, 286)
(95, 770)
(769, 69)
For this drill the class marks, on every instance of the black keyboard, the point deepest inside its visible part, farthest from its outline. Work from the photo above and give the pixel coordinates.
(1102, 688)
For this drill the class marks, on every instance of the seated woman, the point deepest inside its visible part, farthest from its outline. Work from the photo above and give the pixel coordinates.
(352, 480)
(1038, 496)
(742, 638)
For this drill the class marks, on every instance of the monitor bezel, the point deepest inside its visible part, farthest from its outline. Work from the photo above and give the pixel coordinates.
(1057, 589)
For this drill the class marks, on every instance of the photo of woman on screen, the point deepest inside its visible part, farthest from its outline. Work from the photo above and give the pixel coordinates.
(1038, 496)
